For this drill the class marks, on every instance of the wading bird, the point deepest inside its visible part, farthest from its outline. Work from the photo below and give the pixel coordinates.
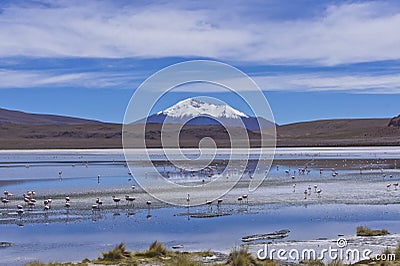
(129, 199)
(148, 203)
(219, 202)
(26, 200)
(116, 200)
(20, 212)
(240, 199)
(95, 207)
(246, 197)
(99, 202)
(8, 194)
(209, 203)
(31, 204)
(5, 201)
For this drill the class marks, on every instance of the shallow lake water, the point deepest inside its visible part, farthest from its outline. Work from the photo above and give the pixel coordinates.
(69, 239)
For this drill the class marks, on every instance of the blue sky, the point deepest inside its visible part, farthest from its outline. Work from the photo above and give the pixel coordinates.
(313, 59)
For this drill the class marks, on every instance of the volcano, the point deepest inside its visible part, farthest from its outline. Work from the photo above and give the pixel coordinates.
(196, 112)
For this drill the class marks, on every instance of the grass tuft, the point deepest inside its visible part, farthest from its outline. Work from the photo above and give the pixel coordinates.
(157, 249)
(266, 262)
(312, 263)
(183, 259)
(37, 263)
(241, 257)
(116, 254)
(397, 252)
(365, 231)
(335, 263)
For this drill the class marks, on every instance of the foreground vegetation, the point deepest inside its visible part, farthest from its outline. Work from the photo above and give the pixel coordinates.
(158, 254)
(365, 231)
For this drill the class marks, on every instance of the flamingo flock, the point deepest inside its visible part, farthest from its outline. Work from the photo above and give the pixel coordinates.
(30, 201)
(395, 185)
(318, 191)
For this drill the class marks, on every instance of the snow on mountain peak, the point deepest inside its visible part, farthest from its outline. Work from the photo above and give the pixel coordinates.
(194, 107)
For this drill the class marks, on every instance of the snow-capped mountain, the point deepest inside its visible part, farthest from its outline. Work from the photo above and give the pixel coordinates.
(193, 107)
(197, 112)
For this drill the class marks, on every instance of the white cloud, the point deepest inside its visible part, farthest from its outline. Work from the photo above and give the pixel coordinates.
(41, 79)
(346, 33)
(337, 82)
(380, 84)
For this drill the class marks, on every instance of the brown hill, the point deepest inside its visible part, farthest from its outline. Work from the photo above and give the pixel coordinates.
(14, 136)
(22, 118)
(189, 136)
(20, 130)
(110, 136)
(341, 132)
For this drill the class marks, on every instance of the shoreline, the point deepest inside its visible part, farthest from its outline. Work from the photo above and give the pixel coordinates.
(160, 214)
(120, 148)
(355, 245)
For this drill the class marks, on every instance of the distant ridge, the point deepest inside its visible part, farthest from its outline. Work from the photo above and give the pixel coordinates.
(8, 117)
(340, 132)
(20, 130)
